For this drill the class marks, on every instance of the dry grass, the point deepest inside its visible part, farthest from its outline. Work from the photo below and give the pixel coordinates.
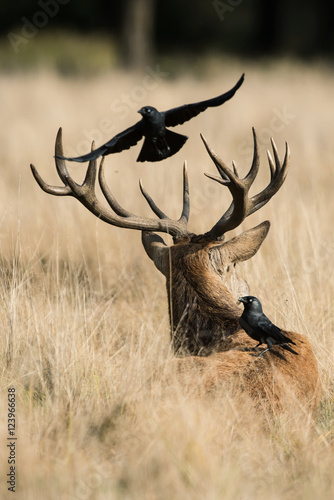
(83, 311)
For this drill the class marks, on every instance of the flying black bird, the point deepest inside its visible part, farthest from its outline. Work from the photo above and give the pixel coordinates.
(160, 143)
(260, 328)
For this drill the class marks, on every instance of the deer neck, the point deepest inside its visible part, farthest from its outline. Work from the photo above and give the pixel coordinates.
(203, 311)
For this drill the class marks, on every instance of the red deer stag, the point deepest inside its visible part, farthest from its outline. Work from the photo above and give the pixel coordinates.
(202, 284)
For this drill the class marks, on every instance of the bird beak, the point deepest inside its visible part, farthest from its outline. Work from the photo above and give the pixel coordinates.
(241, 299)
(140, 111)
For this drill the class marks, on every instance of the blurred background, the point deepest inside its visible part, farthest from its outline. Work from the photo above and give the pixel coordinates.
(85, 36)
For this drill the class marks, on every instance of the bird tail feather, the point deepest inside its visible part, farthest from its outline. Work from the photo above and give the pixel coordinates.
(175, 141)
(87, 157)
(162, 148)
(286, 339)
(288, 348)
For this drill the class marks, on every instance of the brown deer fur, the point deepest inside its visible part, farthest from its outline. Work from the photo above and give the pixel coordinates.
(203, 288)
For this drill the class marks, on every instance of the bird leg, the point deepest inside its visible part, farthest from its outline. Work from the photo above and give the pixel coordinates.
(262, 352)
(255, 347)
(260, 343)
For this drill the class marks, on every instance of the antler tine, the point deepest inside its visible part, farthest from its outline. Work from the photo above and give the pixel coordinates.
(250, 177)
(186, 197)
(63, 173)
(271, 165)
(242, 206)
(151, 203)
(113, 203)
(276, 155)
(47, 188)
(225, 172)
(286, 160)
(117, 216)
(60, 163)
(87, 188)
(61, 169)
(90, 177)
(275, 183)
(235, 170)
(224, 182)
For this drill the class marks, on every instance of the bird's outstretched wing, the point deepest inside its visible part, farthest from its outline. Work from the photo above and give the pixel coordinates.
(272, 330)
(177, 116)
(121, 141)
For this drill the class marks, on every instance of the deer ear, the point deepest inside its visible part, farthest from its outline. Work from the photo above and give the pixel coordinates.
(244, 246)
(157, 250)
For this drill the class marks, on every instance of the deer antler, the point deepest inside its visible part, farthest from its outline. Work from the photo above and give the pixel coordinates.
(242, 206)
(117, 216)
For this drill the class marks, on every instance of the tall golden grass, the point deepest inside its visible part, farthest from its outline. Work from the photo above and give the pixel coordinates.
(83, 312)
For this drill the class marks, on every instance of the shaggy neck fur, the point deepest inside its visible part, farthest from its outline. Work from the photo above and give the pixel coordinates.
(203, 312)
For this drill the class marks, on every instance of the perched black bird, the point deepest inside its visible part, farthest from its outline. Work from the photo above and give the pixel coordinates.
(260, 328)
(160, 143)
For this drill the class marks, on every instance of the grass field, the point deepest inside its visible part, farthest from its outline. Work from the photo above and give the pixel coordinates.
(83, 311)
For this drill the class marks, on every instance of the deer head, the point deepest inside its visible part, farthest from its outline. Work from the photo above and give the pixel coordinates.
(202, 284)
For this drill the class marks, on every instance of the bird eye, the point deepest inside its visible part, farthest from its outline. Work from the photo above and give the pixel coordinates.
(148, 110)
(250, 300)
